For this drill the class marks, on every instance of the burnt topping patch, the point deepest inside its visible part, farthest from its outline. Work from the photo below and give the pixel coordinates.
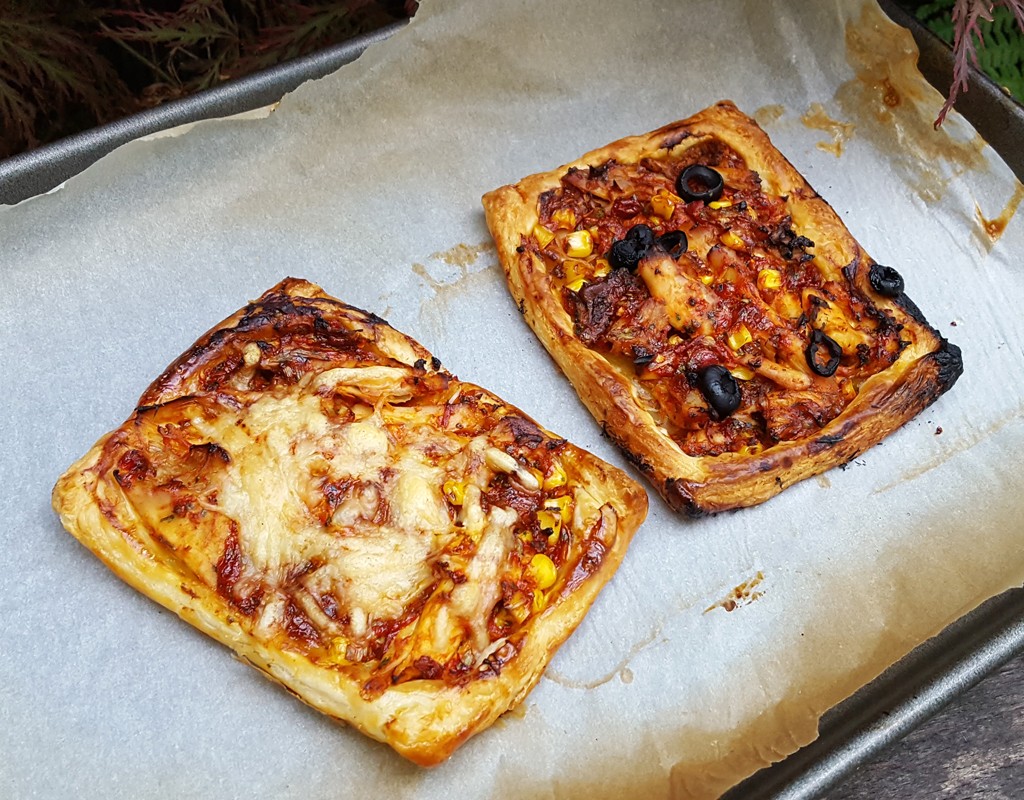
(595, 305)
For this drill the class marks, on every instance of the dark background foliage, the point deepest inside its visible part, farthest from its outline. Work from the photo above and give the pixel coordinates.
(69, 66)
(66, 66)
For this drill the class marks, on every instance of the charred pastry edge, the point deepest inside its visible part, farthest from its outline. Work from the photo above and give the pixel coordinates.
(94, 509)
(290, 300)
(702, 485)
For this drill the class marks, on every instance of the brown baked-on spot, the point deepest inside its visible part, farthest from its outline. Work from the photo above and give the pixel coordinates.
(589, 562)
(741, 595)
(506, 494)
(375, 687)
(677, 494)
(595, 305)
(496, 661)
(229, 566)
(229, 571)
(525, 432)
(675, 138)
(132, 466)
(428, 668)
(299, 626)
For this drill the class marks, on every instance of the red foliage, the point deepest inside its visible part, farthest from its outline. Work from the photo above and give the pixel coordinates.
(966, 15)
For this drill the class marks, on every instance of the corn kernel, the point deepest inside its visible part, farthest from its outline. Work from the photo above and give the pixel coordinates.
(662, 205)
(675, 340)
(707, 279)
(542, 569)
(742, 373)
(556, 478)
(539, 601)
(549, 520)
(562, 504)
(750, 449)
(576, 285)
(602, 268)
(579, 244)
(769, 280)
(542, 235)
(716, 204)
(455, 492)
(574, 269)
(730, 239)
(739, 337)
(564, 218)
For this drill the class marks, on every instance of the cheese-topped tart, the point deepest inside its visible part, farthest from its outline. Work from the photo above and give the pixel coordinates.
(401, 549)
(713, 312)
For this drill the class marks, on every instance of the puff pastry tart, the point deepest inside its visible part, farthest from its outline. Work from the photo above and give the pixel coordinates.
(400, 549)
(713, 312)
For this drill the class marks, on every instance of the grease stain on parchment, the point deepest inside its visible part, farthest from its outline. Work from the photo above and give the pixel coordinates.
(620, 670)
(744, 593)
(463, 258)
(766, 115)
(894, 108)
(817, 118)
(960, 445)
(462, 255)
(995, 227)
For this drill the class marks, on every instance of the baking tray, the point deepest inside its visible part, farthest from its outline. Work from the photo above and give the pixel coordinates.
(880, 713)
(41, 170)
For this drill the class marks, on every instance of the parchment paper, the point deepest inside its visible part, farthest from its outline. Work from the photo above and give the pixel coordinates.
(368, 182)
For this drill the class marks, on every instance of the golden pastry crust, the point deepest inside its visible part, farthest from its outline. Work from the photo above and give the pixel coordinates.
(401, 550)
(819, 353)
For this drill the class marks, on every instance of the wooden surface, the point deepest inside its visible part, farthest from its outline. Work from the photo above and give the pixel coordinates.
(973, 749)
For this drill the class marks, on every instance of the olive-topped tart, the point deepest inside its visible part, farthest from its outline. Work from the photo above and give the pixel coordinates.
(713, 312)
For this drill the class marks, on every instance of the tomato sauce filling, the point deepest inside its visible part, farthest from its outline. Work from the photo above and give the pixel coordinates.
(746, 294)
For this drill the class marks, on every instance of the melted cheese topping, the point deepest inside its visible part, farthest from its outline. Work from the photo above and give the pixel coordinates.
(281, 450)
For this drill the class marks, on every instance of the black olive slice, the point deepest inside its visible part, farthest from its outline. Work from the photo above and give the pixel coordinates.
(698, 182)
(835, 352)
(642, 235)
(674, 243)
(626, 253)
(720, 389)
(886, 281)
